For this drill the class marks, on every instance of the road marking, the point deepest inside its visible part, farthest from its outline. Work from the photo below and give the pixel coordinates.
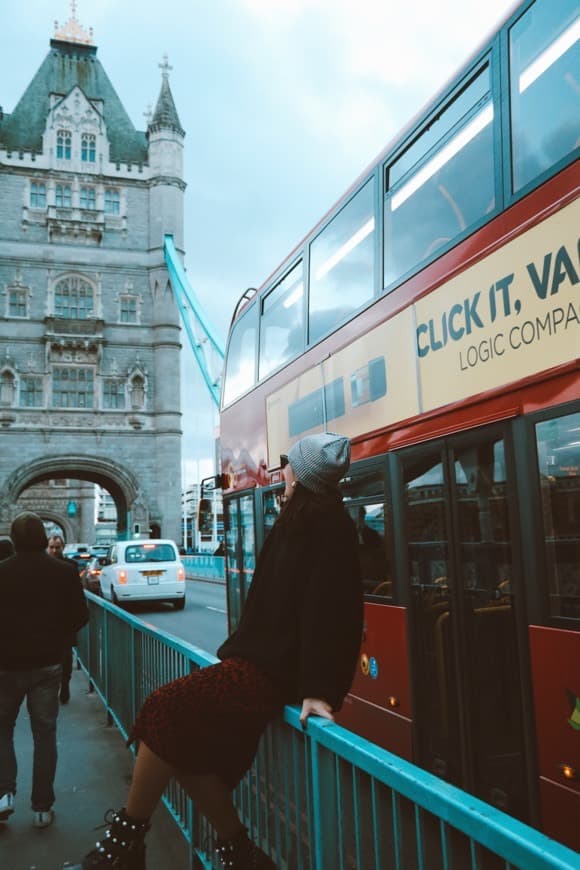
(217, 609)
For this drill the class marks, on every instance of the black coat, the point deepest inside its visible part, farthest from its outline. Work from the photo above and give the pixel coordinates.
(42, 605)
(302, 622)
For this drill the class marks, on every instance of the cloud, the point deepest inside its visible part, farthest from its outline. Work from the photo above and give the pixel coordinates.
(284, 102)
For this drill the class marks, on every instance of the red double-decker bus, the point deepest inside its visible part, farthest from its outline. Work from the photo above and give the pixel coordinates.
(433, 316)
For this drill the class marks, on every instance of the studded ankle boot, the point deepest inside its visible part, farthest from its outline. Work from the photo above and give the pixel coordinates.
(239, 853)
(122, 847)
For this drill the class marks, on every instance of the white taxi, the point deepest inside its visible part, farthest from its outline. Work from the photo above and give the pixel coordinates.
(143, 570)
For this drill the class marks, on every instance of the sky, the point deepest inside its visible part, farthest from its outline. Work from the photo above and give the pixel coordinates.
(284, 104)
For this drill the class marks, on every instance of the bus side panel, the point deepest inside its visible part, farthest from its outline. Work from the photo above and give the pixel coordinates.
(555, 659)
(378, 706)
(380, 726)
(560, 813)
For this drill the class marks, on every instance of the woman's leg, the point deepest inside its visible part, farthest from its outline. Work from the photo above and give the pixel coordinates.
(214, 800)
(150, 778)
(210, 795)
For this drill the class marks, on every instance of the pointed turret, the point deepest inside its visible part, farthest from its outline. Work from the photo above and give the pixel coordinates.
(166, 135)
(165, 115)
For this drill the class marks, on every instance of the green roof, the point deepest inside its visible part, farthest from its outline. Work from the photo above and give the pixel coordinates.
(65, 66)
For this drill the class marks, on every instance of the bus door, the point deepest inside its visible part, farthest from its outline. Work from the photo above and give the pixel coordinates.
(240, 535)
(466, 614)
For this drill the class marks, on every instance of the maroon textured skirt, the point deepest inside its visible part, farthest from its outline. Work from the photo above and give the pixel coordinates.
(210, 721)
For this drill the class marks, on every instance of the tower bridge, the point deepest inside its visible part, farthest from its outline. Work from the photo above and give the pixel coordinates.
(89, 326)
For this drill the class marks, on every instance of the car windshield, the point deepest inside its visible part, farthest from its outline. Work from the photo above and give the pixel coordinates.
(150, 553)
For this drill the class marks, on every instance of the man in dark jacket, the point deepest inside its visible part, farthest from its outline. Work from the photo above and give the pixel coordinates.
(56, 550)
(43, 604)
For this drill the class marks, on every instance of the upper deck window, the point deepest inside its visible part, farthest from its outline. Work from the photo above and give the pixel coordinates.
(545, 88)
(282, 322)
(342, 264)
(241, 357)
(433, 195)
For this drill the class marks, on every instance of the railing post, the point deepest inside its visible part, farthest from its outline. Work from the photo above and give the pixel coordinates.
(106, 666)
(133, 687)
(325, 810)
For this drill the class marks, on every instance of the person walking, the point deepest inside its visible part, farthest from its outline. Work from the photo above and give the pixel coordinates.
(297, 642)
(43, 604)
(55, 548)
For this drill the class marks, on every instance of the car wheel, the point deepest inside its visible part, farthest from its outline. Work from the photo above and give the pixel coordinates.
(179, 603)
(114, 598)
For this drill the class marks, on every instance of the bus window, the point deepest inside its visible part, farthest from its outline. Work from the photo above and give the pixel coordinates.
(545, 88)
(364, 498)
(342, 264)
(272, 506)
(374, 554)
(282, 322)
(558, 443)
(248, 540)
(241, 357)
(439, 199)
(240, 541)
(233, 563)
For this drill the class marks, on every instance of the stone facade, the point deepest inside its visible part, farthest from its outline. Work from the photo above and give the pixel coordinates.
(89, 328)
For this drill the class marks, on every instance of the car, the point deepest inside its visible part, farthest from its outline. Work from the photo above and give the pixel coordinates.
(144, 570)
(79, 554)
(91, 574)
(99, 550)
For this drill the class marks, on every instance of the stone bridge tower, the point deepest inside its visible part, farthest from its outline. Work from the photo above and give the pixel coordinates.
(89, 328)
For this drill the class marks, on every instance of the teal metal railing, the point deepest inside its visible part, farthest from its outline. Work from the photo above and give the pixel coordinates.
(206, 567)
(324, 799)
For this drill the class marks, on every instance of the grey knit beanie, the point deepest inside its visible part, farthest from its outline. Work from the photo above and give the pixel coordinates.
(319, 461)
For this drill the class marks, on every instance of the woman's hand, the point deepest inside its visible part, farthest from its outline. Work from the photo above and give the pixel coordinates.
(315, 707)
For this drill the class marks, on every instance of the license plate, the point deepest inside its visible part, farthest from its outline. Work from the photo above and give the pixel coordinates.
(152, 580)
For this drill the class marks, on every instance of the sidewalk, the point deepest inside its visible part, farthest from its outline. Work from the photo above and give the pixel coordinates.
(93, 774)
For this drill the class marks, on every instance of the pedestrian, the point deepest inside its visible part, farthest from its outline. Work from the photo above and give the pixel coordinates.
(297, 642)
(55, 548)
(42, 605)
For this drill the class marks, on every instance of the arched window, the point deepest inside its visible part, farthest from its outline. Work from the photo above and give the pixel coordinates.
(112, 201)
(63, 144)
(137, 392)
(7, 384)
(88, 198)
(73, 298)
(88, 148)
(63, 196)
(37, 195)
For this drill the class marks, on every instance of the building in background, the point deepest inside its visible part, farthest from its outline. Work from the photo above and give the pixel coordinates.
(105, 525)
(89, 329)
(206, 536)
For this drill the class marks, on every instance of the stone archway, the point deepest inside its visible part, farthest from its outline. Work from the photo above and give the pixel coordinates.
(116, 479)
(60, 520)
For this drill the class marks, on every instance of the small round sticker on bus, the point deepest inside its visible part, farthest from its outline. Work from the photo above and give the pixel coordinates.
(373, 667)
(364, 664)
